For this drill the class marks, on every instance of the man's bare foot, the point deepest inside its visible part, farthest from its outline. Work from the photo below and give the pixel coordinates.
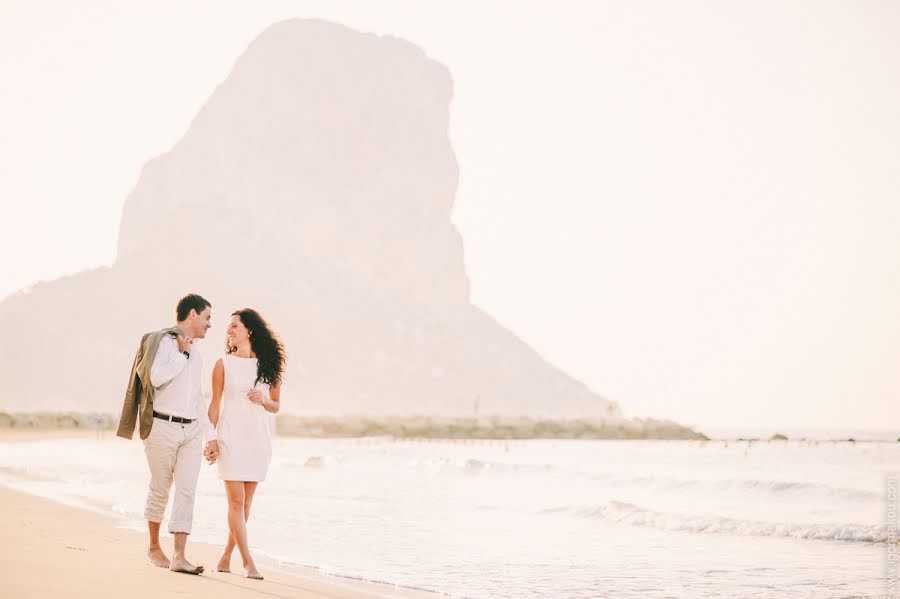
(252, 572)
(224, 564)
(157, 557)
(179, 564)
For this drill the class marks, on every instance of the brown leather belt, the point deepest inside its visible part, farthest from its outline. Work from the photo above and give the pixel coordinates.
(177, 419)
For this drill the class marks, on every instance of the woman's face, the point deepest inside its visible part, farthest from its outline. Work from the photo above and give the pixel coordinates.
(237, 332)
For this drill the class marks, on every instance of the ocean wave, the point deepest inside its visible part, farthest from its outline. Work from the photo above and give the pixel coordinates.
(752, 485)
(319, 461)
(472, 465)
(629, 513)
(776, 487)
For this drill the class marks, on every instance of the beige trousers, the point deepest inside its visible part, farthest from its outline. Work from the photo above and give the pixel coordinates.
(173, 453)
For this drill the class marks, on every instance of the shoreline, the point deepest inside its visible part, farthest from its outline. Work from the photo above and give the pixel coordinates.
(92, 556)
(488, 426)
(475, 428)
(24, 435)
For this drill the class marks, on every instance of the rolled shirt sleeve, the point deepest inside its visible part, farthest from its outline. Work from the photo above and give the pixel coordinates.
(169, 361)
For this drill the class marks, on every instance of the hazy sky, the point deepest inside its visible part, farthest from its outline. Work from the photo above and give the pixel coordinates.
(694, 207)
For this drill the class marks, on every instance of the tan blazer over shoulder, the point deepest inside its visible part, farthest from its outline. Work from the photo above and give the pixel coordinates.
(138, 404)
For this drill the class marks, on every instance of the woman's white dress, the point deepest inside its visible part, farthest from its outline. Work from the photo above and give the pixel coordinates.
(244, 430)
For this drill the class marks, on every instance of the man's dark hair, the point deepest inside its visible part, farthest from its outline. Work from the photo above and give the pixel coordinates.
(191, 301)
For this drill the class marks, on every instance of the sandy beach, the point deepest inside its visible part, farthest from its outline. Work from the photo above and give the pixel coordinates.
(53, 550)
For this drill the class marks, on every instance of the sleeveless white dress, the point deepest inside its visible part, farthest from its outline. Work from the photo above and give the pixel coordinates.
(244, 428)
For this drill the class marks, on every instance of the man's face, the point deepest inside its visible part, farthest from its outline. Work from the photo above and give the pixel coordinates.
(201, 322)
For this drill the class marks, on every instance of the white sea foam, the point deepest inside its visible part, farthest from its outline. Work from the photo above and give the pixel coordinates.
(773, 487)
(628, 513)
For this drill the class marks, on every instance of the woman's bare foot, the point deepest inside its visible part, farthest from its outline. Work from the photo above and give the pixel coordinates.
(224, 564)
(184, 566)
(252, 572)
(157, 557)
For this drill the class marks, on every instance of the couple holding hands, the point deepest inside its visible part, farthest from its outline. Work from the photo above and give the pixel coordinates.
(164, 400)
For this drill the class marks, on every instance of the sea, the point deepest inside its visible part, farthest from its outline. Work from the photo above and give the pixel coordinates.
(539, 518)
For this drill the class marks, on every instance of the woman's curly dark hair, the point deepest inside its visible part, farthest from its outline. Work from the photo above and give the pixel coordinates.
(265, 343)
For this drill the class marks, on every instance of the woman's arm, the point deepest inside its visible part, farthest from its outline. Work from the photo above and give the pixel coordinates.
(270, 403)
(273, 403)
(218, 384)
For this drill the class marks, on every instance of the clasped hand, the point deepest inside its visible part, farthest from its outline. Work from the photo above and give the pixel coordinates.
(211, 451)
(256, 397)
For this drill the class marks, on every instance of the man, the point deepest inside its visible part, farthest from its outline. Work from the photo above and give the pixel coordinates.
(164, 396)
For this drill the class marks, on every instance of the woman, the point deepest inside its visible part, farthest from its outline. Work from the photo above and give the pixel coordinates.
(246, 385)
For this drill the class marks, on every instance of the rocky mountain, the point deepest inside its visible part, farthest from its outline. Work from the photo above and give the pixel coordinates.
(316, 184)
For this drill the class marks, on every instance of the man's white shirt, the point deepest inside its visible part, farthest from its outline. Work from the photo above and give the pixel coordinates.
(177, 381)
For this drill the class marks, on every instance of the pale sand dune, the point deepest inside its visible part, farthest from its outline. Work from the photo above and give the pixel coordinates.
(53, 550)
